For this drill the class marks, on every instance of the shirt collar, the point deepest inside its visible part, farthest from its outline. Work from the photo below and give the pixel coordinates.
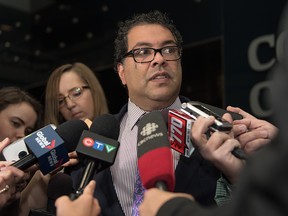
(134, 112)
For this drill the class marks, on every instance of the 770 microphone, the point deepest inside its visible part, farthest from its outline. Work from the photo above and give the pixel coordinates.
(97, 148)
(180, 122)
(49, 148)
(155, 160)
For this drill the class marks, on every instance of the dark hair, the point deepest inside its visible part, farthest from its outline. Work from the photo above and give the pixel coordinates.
(153, 17)
(15, 95)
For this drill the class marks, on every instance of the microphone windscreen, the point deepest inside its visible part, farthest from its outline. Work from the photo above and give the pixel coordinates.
(155, 160)
(59, 184)
(70, 131)
(106, 125)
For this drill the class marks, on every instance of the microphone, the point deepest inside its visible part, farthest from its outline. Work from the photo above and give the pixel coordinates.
(49, 148)
(60, 184)
(97, 148)
(155, 160)
(179, 127)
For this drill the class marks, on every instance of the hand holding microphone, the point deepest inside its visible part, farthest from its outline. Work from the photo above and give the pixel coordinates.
(50, 148)
(180, 123)
(85, 205)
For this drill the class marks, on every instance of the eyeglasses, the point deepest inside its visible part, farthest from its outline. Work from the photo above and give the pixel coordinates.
(144, 55)
(73, 95)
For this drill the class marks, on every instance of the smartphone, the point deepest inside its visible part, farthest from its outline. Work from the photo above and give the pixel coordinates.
(195, 109)
(15, 150)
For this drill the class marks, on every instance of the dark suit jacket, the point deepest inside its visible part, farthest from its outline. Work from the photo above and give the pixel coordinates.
(262, 189)
(194, 175)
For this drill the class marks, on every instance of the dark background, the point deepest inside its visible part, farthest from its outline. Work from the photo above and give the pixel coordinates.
(37, 36)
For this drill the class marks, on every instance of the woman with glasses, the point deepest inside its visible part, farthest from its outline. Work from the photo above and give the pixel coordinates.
(73, 92)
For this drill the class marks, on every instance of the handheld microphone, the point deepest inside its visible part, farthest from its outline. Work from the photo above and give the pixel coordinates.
(97, 148)
(60, 184)
(49, 148)
(179, 128)
(155, 160)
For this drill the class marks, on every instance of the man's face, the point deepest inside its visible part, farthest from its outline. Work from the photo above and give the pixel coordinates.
(156, 84)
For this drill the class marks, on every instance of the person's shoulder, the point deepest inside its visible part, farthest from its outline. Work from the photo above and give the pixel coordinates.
(121, 113)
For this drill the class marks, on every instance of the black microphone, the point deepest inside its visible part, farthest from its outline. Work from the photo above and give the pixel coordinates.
(60, 184)
(49, 148)
(155, 159)
(97, 148)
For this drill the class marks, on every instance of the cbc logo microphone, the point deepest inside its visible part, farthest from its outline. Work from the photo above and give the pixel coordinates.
(149, 129)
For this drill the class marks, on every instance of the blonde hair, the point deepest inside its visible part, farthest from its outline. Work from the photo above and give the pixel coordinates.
(52, 114)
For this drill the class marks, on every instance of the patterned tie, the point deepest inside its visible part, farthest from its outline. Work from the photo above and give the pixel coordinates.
(138, 195)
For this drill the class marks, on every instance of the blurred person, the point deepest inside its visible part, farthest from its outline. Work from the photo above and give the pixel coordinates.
(73, 92)
(20, 113)
(84, 205)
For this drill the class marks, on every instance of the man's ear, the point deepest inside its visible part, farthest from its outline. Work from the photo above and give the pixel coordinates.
(121, 73)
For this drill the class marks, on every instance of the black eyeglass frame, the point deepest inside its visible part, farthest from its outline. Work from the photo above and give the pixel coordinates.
(131, 53)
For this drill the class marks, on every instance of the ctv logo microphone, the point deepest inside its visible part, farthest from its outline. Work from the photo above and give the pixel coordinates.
(100, 148)
(97, 145)
(179, 125)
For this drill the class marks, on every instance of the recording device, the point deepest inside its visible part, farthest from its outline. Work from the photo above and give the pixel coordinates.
(191, 111)
(97, 148)
(155, 160)
(17, 149)
(195, 109)
(221, 112)
(48, 149)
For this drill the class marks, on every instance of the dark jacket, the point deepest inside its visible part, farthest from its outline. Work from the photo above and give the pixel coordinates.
(262, 189)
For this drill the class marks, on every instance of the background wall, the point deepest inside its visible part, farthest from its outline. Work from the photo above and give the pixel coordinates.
(229, 46)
